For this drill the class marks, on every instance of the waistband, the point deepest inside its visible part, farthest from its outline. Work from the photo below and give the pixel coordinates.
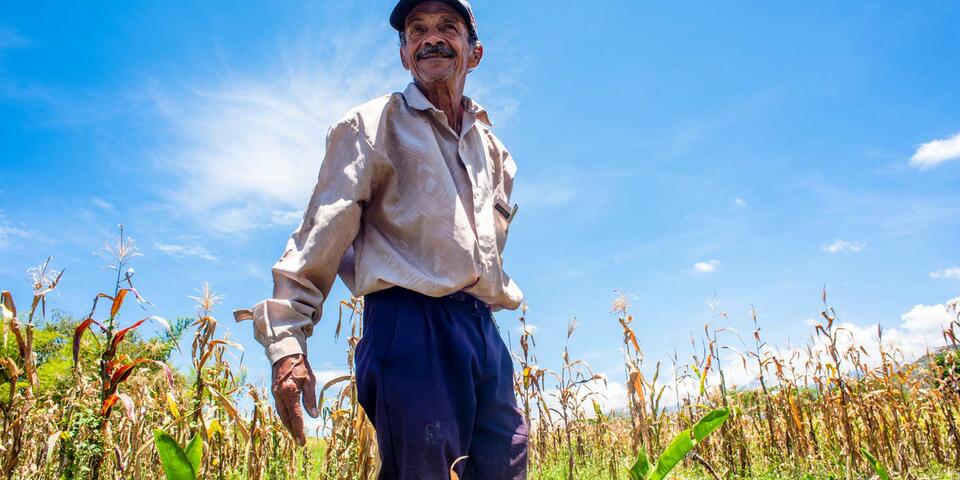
(461, 296)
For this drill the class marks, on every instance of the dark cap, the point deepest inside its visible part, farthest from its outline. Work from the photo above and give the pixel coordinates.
(399, 15)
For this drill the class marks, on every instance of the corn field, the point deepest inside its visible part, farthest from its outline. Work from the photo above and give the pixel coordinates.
(827, 410)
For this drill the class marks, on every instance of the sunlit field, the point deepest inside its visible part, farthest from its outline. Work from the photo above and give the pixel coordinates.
(87, 396)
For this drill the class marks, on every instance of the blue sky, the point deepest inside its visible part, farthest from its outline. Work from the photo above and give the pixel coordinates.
(755, 152)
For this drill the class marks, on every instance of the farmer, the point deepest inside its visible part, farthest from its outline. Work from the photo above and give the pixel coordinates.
(411, 208)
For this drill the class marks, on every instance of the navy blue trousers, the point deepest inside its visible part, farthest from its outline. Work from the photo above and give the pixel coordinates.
(436, 380)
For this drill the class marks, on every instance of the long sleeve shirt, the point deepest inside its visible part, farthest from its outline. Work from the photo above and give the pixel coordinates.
(401, 200)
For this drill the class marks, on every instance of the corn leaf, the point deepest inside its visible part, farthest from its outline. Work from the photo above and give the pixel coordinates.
(194, 452)
(678, 448)
(52, 444)
(877, 466)
(108, 404)
(453, 473)
(709, 423)
(117, 302)
(172, 406)
(214, 428)
(7, 313)
(174, 460)
(77, 335)
(118, 337)
(128, 406)
(640, 468)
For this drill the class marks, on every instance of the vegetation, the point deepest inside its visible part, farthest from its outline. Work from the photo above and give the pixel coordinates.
(89, 398)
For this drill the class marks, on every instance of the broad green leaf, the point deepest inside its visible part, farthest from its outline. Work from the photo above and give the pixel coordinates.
(175, 463)
(877, 466)
(678, 448)
(194, 452)
(709, 423)
(641, 468)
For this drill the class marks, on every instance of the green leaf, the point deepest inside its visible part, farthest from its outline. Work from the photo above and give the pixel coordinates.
(877, 466)
(678, 448)
(194, 452)
(709, 423)
(175, 463)
(641, 468)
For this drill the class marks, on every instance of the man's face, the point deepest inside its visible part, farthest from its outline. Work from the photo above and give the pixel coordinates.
(437, 48)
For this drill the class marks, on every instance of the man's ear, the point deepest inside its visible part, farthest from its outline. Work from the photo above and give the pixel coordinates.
(476, 56)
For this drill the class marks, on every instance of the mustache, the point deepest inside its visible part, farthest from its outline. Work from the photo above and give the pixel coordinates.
(438, 49)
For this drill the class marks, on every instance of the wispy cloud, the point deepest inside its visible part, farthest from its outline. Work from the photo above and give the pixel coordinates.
(184, 251)
(247, 146)
(10, 233)
(843, 245)
(739, 202)
(952, 273)
(101, 203)
(706, 267)
(9, 38)
(935, 152)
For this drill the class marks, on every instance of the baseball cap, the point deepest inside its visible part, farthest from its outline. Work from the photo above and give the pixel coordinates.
(399, 14)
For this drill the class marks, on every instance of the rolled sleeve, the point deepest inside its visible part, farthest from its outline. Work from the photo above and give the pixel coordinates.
(304, 274)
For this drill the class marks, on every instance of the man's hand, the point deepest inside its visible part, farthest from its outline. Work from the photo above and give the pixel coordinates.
(293, 378)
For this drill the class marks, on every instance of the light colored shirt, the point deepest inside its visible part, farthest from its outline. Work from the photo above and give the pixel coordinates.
(401, 200)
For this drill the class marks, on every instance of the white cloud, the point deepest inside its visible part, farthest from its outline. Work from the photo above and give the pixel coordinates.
(184, 251)
(927, 318)
(612, 396)
(247, 146)
(740, 202)
(935, 152)
(842, 245)
(952, 273)
(707, 267)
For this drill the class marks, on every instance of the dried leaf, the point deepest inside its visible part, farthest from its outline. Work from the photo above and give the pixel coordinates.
(453, 474)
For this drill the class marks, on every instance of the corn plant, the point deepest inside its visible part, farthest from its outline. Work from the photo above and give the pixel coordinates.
(681, 445)
(178, 463)
(20, 402)
(114, 368)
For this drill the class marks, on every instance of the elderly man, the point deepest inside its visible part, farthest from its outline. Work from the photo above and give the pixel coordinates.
(412, 209)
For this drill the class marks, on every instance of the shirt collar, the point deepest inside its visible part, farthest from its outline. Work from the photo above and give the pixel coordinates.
(418, 101)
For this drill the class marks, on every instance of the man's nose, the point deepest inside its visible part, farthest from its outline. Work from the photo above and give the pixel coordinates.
(434, 39)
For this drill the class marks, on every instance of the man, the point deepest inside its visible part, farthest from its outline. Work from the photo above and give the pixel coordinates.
(411, 207)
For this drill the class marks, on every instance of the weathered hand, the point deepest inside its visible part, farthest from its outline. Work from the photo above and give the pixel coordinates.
(292, 379)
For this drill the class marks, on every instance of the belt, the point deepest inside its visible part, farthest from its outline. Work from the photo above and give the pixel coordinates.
(468, 299)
